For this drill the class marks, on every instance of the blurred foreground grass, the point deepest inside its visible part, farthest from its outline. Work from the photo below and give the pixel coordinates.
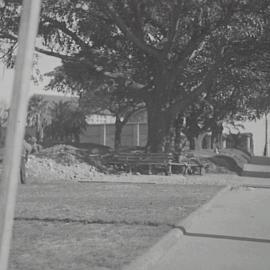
(96, 225)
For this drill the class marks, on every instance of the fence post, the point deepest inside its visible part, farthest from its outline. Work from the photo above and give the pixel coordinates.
(16, 124)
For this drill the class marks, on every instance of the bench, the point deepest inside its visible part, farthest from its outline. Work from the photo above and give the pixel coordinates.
(125, 160)
(132, 160)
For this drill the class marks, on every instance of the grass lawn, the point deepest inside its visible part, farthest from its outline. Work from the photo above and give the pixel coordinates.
(96, 225)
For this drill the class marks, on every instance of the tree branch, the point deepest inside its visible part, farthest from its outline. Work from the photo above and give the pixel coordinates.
(182, 103)
(131, 86)
(126, 31)
(10, 36)
(63, 27)
(138, 20)
(57, 55)
(199, 36)
(130, 113)
(174, 22)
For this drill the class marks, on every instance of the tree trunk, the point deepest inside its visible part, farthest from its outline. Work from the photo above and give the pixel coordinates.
(178, 125)
(77, 137)
(159, 129)
(117, 133)
(195, 143)
(192, 143)
(198, 141)
(216, 136)
(213, 139)
(161, 133)
(39, 129)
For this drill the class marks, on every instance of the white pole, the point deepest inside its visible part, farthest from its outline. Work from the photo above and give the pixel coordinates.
(16, 125)
(138, 134)
(104, 133)
(266, 136)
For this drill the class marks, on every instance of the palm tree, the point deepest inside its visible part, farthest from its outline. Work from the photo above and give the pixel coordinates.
(37, 116)
(59, 114)
(68, 121)
(76, 124)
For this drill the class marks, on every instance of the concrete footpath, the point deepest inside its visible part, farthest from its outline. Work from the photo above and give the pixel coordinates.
(230, 232)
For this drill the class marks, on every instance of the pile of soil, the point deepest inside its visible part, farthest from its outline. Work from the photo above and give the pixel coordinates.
(63, 162)
(229, 161)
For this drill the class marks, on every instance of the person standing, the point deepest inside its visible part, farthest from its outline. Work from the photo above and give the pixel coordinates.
(24, 157)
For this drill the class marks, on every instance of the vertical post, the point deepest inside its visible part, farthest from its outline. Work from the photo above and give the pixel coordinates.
(16, 124)
(248, 144)
(138, 134)
(266, 137)
(104, 133)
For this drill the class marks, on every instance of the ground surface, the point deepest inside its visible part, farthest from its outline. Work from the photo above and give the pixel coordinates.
(96, 225)
(75, 214)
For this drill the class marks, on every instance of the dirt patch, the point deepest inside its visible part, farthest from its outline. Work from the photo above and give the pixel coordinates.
(64, 162)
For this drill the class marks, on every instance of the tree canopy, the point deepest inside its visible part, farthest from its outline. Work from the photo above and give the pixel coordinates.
(169, 54)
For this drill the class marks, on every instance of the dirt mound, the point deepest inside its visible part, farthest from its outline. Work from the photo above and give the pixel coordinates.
(63, 162)
(63, 154)
(229, 161)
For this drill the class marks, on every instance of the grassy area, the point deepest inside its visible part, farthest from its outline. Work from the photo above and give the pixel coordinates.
(96, 225)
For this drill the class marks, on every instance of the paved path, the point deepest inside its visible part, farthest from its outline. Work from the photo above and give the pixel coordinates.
(230, 232)
(207, 179)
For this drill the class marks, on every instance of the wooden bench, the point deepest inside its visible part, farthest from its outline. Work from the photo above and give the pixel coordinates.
(131, 161)
(125, 160)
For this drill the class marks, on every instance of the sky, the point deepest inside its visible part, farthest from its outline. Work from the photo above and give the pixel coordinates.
(47, 64)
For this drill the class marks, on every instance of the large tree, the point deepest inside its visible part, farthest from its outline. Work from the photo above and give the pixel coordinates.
(162, 49)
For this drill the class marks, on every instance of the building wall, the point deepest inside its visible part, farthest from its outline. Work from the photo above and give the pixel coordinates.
(133, 134)
(100, 119)
(257, 128)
